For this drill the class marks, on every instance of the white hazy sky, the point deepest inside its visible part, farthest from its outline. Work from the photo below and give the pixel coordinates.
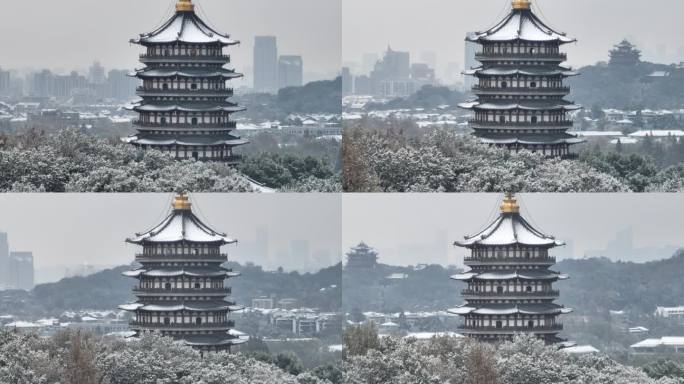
(70, 34)
(392, 223)
(68, 229)
(441, 25)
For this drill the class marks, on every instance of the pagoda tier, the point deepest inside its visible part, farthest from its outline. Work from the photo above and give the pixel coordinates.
(184, 108)
(181, 287)
(625, 54)
(509, 284)
(520, 86)
(362, 256)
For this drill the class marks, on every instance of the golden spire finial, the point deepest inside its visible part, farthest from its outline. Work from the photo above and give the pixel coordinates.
(522, 4)
(185, 6)
(510, 204)
(181, 203)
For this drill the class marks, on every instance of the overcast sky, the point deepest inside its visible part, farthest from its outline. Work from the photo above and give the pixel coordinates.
(394, 223)
(441, 26)
(73, 33)
(66, 229)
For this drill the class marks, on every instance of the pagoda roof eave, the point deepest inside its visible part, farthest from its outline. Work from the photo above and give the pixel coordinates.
(181, 225)
(532, 106)
(510, 309)
(180, 272)
(136, 139)
(184, 27)
(151, 73)
(521, 25)
(502, 71)
(510, 275)
(509, 229)
(172, 307)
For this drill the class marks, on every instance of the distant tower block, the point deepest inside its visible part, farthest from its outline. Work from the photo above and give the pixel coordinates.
(509, 282)
(184, 108)
(520, 93)
(181, 284)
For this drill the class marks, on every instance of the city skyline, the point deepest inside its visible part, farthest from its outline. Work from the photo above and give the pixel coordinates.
(75, 229)
(382, 23)
(316, 39)
(586, 222)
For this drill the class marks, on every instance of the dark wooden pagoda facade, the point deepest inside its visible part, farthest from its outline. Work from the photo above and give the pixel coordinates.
(184, 107)
(520, 86)
(181, 286)
(509, 285)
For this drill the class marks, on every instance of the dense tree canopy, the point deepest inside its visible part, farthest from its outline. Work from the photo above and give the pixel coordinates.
(462, 361)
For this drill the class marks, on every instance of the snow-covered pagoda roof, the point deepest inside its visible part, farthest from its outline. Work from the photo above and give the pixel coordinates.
(182, 140)
(520, 24)
(529, 71)
(508, 229)
(181, 225)
(185, 27)
(511, 309)
(178, 272)
(363, 248)
(511, 275)
(210, 340)
(146, 73)
(521, 105)
(189, 306)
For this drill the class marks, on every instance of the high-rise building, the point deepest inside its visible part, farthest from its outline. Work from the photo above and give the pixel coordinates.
(181, 287)
(265, 64)
(290, 71)
(429, 58)
(368, 63)
(96, 73)
(184, 109)
(42, 83)
(4, 260)
(520, 100)
(469, 61)
(509, 285)
(21, 273)
(422, 74)
(347, 82)
(4, 82)
(391, 76)
(121, 86)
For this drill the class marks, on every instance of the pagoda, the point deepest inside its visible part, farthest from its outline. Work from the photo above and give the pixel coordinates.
(184, 108)
(509, 284)
(362, 257)
(625, 54)
(181, 287)
(520, 92)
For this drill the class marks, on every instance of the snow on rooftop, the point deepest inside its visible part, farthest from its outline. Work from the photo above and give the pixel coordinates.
(658, 133)
(580, 350)
(430, 335)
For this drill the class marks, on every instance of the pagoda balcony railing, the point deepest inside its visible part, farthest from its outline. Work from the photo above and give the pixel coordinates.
(520, 90)
(548, 293)
(179, 256)
(521, 56)
(508, 259)
(188, 326)
(183, 291)
(513, 329)
(144, 91)
(155, 57)
(226, 125)
(526, 124)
